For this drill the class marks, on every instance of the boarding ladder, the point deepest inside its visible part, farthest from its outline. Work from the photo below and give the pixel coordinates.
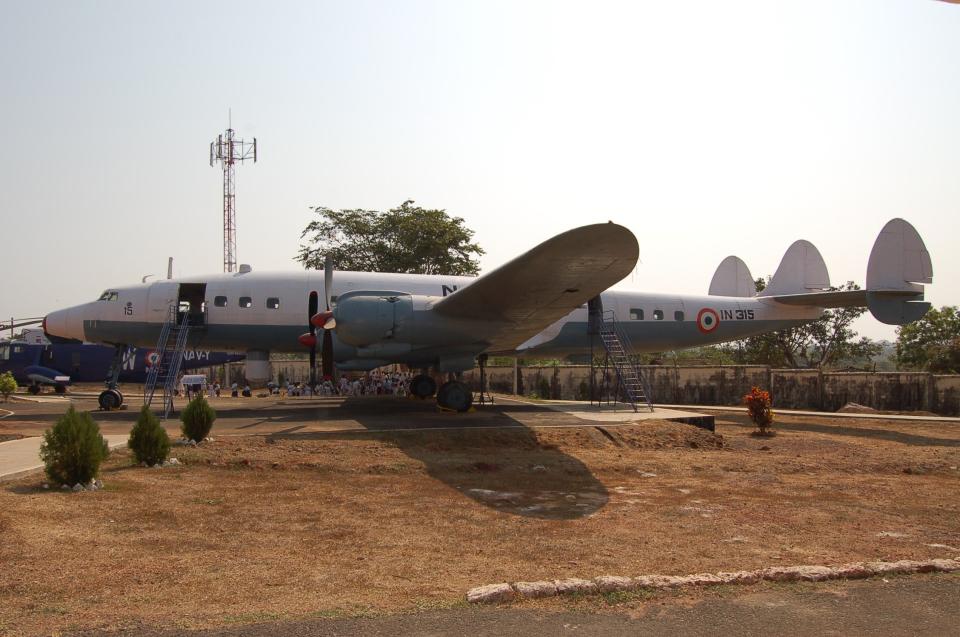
(165, 371)
(629, 376)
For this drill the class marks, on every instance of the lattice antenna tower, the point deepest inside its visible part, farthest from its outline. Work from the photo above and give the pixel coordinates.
(228, 150)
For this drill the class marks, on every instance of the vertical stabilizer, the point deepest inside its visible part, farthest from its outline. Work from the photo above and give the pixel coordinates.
(801, 270)
(732, 278)
(899, 265)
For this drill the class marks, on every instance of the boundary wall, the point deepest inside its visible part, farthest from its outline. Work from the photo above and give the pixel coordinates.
(725, 385)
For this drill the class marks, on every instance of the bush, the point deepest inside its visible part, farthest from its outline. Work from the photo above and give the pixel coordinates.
(73, 449)
(148, 440)
(197, 417)
(8, 385)
(758, 404)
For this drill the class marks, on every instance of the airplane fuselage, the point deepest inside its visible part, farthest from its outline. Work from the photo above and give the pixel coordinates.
(265, 312)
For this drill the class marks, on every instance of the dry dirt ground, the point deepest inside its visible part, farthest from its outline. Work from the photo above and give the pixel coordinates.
(320, 517)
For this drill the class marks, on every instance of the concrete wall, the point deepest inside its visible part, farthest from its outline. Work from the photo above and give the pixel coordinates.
(726, 385)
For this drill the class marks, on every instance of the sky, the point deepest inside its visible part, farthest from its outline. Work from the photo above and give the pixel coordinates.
(707, 128)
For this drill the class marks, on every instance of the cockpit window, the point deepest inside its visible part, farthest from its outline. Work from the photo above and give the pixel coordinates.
(109, 295)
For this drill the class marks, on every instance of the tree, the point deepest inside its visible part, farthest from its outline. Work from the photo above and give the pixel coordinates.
(932, 343)
(148, 439)
(408, 239)
(73, 449)
(818, 343)
(8, 385)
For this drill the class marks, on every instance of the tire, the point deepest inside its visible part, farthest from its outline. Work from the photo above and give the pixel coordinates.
(423, 386)
(60, 388)
(34, 389)
(110, 399)
(455, 395)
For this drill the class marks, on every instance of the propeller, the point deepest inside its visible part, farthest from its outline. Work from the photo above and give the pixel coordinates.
(326, 322)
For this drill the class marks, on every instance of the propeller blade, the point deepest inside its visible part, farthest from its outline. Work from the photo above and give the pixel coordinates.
(308, 340)
(327, 279)
(330, 323)
(327, 354)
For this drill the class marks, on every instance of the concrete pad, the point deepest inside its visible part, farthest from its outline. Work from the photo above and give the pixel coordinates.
(20, 457)
(622, 414)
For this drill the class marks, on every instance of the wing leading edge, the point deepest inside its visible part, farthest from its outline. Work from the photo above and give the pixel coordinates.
(522, 297)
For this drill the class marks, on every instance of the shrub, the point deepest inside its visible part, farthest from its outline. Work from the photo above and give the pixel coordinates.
(197, 417)
(73, 449)
(758, 404)
(148, 440)
(8, 385)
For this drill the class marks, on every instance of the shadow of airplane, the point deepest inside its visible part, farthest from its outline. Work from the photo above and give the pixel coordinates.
(490, 456)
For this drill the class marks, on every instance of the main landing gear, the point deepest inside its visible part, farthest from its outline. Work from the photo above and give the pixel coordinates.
(111, 398)
(453, 394)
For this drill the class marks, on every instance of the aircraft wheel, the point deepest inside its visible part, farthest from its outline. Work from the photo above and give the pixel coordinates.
(60, 388)
(110, 399)
(34, 389)
(455, 395)
(422, 386)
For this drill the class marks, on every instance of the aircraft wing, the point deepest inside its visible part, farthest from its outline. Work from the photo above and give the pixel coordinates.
(524, 296)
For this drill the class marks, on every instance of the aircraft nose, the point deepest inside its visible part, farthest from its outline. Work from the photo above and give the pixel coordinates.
(67, 323)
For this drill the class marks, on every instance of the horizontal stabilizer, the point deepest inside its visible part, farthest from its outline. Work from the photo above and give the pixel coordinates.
(801, 270)
(899, 263)
(732, 278)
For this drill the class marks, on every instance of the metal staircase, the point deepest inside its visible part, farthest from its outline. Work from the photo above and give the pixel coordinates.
(165, 372)
(629, 376)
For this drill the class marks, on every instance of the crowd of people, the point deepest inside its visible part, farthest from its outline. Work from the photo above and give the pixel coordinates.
(372, 383)
(390, 383)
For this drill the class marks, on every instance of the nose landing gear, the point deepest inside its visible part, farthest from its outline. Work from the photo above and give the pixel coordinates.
(111, 398)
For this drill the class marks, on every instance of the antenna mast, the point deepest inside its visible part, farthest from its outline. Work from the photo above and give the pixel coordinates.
(228, 150)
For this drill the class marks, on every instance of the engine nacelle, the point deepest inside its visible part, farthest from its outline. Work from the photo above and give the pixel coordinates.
(365, 318)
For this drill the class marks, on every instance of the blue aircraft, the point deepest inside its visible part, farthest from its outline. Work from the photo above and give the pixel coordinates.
(35, 363)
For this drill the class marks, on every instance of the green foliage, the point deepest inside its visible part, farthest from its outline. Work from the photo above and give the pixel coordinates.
(408, 239)
(148, 439)
(73, 449)
(825, 341)
(197, 417)
(8, 385)
(932, 343)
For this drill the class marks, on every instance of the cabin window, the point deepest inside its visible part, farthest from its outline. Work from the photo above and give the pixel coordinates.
(220, 301)
(109, 295)
(17, 349)
(246, 301)
(273, 303)
(658, 315)
(4, 353)
(678, 315)
(636, 314)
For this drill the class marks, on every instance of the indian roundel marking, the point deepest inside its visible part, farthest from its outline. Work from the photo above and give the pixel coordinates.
(151, 359)
(707, 320)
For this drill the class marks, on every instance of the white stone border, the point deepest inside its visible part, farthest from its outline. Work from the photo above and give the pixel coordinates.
(495, 593)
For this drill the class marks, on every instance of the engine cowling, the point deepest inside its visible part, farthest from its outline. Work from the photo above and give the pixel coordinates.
(366, 318)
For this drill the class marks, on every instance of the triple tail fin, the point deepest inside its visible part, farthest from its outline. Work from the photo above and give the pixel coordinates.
(899, 264)
(732, 278)
(801, 271)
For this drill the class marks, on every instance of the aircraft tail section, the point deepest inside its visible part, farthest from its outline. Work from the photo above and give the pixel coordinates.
(732, 278)
(801, 271)
(899, 264)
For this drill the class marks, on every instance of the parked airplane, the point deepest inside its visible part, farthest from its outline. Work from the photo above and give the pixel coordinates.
(35, 362)
(543, 302)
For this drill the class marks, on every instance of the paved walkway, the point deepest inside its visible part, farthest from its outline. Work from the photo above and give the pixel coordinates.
(19, 457)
